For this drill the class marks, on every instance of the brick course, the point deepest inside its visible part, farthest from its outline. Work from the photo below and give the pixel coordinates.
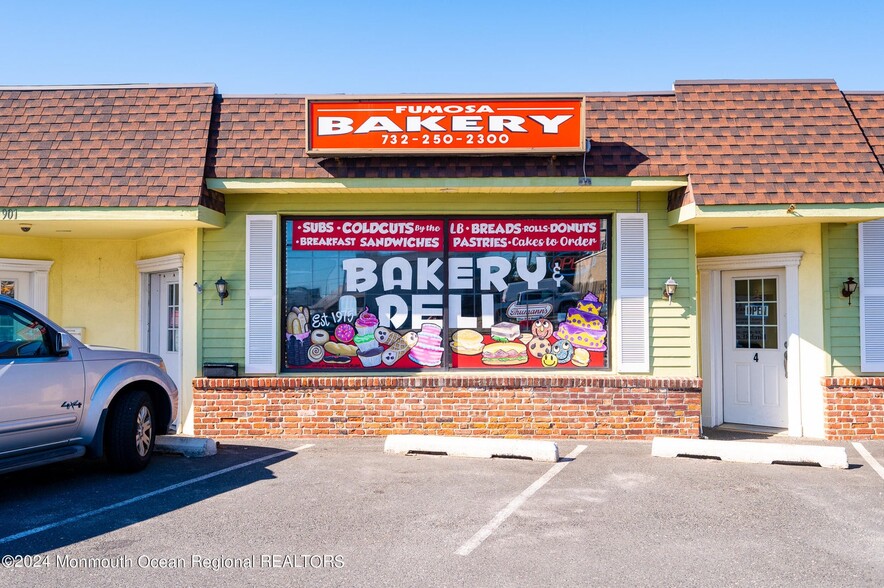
(853, 408)
(483, 405)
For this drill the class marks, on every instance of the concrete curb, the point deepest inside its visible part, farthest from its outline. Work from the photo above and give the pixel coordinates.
(751, 452)
(472, 447)
(186, 446)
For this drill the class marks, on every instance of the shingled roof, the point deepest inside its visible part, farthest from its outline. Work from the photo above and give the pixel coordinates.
(774, 142)
(868, 108)
(739, 142)
(264, 137)
(104, 146)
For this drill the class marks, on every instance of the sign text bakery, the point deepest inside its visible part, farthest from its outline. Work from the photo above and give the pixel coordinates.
(448, 125)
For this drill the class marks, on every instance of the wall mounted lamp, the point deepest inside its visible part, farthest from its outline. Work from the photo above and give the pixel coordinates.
(221, 288)
(848, 287)
(669, 289)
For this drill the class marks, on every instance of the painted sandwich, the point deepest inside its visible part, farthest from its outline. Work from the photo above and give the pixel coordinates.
(467, 342)
(505, 354)
(505, 332)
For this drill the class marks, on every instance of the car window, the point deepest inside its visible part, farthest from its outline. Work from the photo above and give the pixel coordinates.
(21, 335)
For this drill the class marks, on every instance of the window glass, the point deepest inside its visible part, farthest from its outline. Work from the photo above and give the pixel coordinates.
(21, 336)
(173, 311)
(755, 314)
(414, 294)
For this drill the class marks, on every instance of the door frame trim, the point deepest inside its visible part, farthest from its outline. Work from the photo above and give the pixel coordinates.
(710, 270)
(146, 267)
(39, 279)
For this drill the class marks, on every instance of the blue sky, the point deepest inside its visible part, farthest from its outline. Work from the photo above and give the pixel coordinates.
(446, 46)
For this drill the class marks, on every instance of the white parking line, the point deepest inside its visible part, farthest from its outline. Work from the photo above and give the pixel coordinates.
(869, 459)
(129, 501)
(485, 532)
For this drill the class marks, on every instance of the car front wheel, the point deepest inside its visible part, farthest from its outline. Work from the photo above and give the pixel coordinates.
(131, 432)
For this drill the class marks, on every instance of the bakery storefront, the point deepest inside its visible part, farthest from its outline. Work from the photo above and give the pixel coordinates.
(458, 293)
(452, 298)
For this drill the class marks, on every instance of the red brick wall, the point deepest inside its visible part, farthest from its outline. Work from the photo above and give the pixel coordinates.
(487, 405)
(854, 408)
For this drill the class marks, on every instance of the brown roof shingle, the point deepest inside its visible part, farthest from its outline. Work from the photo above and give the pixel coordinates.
(868, 108)
(774, 142)
(104, 146)
(740, 142)
(264, 137)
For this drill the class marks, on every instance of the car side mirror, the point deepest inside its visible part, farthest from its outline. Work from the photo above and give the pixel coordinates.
(62, 343)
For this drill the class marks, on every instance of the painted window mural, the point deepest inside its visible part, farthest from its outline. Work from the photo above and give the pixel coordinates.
(419, 293)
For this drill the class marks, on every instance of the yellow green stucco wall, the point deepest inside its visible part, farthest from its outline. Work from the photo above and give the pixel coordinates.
(95, 284)
(807, 239)
(671, 252)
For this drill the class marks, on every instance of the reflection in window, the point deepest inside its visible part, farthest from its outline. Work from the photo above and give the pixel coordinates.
(21, 336)
(475, 307)
(755, 313)
(172, 317)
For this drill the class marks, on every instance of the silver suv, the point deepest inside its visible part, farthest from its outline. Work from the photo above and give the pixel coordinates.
(61, 399)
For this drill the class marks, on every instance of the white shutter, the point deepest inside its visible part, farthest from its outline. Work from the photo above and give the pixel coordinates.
(262, 326)
(633, 337)
(871, 295)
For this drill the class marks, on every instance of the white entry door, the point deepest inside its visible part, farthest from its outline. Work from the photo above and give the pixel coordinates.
(164, 327)
(754, 347)
(16, 285)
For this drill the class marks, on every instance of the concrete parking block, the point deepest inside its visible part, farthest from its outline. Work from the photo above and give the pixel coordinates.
(472, 447)
(186, 446)
(751, 452)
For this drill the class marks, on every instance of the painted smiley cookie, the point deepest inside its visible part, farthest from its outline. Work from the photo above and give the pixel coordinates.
(538, 347)
(562, 350)
(542, 329)
(549, 360)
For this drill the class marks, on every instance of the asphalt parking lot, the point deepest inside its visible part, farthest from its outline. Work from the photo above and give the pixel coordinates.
(341, 512)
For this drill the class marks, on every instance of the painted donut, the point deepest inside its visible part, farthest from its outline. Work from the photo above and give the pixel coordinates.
(542, 329)
(315, 353)
(345, 332)
(319, 337)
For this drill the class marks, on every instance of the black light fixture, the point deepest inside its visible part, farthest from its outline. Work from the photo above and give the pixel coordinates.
(221, 288)
(669, 289)
(848, 287)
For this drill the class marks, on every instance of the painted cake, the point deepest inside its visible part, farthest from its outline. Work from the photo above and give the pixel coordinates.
(428, 350)
(584, 328)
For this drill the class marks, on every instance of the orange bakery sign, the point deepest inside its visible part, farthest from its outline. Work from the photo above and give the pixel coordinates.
(450, 125)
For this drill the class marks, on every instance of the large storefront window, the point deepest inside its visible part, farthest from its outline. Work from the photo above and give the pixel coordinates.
(476, 293)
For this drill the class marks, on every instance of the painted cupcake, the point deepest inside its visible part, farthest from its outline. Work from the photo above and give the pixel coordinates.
(366, 323)
(372, 357)
(366, 342)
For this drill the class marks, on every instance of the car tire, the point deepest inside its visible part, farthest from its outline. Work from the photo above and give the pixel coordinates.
(131, 432)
